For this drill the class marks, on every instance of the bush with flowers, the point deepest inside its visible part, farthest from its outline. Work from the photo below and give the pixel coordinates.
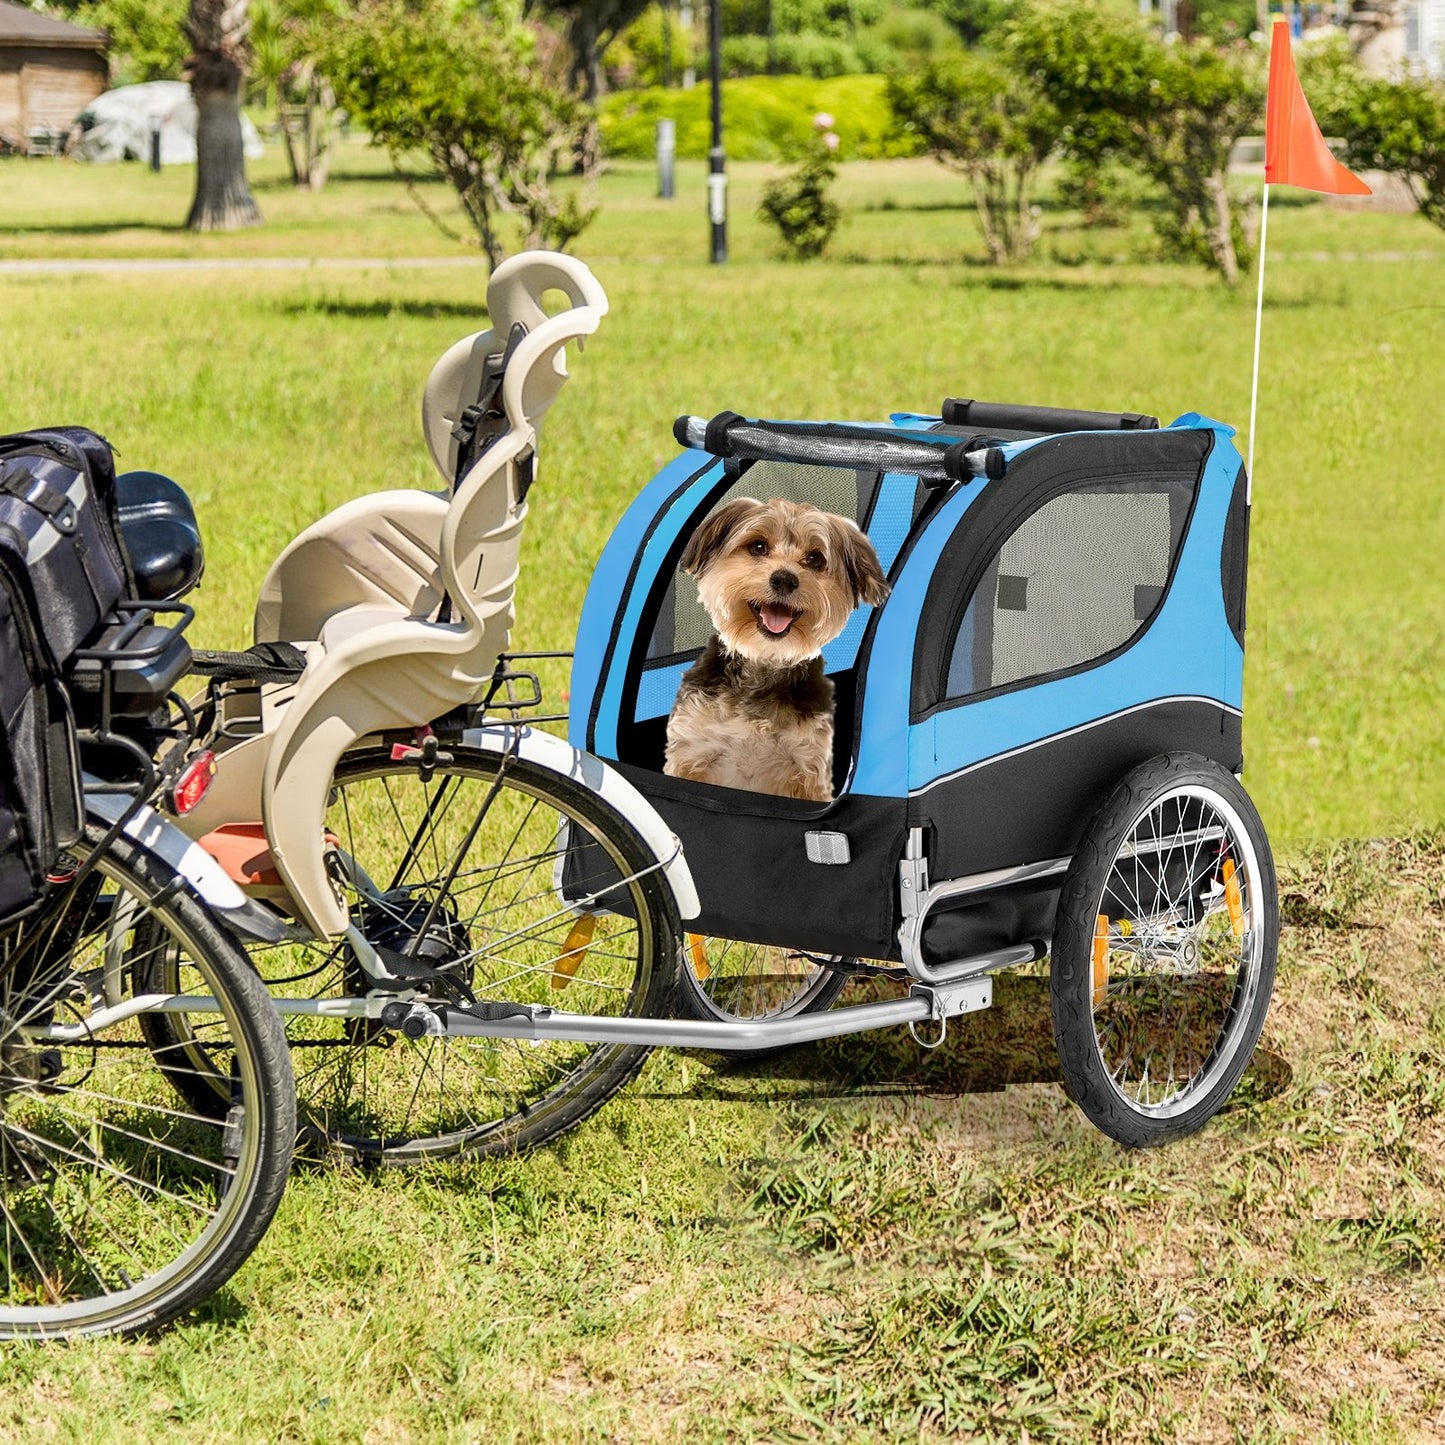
(798, 205)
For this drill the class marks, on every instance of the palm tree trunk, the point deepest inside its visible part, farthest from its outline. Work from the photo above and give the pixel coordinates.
(223, 201)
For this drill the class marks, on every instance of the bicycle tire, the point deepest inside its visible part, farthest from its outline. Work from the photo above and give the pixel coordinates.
(1164, 951)
(121, 1211)
(378, 1096)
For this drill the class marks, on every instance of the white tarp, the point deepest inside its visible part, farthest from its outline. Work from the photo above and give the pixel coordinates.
(117, 126)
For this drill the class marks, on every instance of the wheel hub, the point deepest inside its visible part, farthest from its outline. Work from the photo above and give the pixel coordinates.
(427, 946)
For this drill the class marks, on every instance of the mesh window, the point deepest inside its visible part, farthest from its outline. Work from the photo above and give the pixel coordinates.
(682, 624)
(1078, 578)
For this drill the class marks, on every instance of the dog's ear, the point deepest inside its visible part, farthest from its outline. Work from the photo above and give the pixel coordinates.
(860, 564)
(711, 537)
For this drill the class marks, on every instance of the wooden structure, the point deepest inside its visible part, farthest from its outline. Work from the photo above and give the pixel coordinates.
(49, 72)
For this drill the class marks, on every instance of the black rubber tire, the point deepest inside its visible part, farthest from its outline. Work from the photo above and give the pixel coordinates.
(1180, 926)
(743, 984)
(171, 1226)
(509, 1095)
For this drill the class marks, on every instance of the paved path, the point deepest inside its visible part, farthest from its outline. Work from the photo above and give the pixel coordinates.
(77, 265)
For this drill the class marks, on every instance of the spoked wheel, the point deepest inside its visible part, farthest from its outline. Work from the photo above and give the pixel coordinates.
(724, 979)
(499, 883)
(121, 1204)
(1164, 952)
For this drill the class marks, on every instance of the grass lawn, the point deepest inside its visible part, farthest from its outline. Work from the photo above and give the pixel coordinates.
(857, 1241)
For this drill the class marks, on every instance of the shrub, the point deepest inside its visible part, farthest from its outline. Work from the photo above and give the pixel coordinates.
(907, 38)
(1174, 112)
(816, 55)
(798, 205)
(1392, 126)
(467, 94)
(977, 115)
(764, 118)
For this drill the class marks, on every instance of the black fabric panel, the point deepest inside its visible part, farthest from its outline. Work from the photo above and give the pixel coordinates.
(1054, 464)
(40, 804)
(1234, 558)
(1004, 918)
(1034, 804)
(749, 860)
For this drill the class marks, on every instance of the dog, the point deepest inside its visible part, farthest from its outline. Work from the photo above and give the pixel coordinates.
(779, 581)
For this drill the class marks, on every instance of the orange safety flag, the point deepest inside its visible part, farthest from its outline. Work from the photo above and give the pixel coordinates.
(1295, 153)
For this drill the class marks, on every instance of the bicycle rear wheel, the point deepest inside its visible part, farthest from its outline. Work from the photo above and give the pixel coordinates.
(123, 1206)
(475, 869)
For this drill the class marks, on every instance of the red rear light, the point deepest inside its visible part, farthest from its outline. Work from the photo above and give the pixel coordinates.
(193, 782)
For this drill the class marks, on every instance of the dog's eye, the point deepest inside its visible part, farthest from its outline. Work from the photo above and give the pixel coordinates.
(758, 548)
(815, 561)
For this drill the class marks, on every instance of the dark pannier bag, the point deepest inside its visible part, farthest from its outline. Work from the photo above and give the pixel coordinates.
(62, 570)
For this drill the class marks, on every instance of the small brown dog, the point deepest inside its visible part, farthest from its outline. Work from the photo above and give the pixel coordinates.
(779, 581)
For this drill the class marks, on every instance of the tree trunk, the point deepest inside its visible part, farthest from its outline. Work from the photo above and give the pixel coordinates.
(585, 39)
(218, 30)
(1221, 229)
(223, 201)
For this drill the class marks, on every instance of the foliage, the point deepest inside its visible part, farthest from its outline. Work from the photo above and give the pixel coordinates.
(1103, 194)
(285, 38)
(469, 96)
(146, 38)
(654, 50)
(980, 117)
(975, 20)
(798, 205)
(1174, 111)
(764, 118)
(1393, 126)
(903, 37)
(591, 26)
(805, 54)
(906, 38)
(1225, 22)
(800, 17)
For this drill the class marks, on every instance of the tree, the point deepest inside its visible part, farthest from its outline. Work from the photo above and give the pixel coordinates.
(1173, 111)
(147, 37)
(217, 30)
(1393, 126)
(591, 26)
(285, 36)
(471, 96)
(978, 116)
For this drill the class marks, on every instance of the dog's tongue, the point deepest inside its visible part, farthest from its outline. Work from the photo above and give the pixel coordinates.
(776, 619)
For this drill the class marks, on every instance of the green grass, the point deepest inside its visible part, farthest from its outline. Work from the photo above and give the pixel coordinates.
(862, 1241)
(274, 395)
(858, 1241)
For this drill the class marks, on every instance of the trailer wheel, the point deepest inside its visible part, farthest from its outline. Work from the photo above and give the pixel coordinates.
(1164, 952)
(725, 980)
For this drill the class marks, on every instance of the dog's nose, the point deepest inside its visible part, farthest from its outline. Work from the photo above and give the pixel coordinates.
(783, 582)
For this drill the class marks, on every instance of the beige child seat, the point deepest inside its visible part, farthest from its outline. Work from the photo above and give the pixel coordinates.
(397, 604)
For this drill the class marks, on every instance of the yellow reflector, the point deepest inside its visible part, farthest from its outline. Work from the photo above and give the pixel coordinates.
(1101, 959)
(1233, 899)
(579, 940)
(697, 951)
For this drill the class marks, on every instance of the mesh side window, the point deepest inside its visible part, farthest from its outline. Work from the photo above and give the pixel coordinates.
(682, 623)
(1077, 579)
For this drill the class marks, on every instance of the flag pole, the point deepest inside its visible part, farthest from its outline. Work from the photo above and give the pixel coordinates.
(1258, 323)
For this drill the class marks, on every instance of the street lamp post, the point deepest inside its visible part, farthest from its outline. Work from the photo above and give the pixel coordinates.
(717, 181)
